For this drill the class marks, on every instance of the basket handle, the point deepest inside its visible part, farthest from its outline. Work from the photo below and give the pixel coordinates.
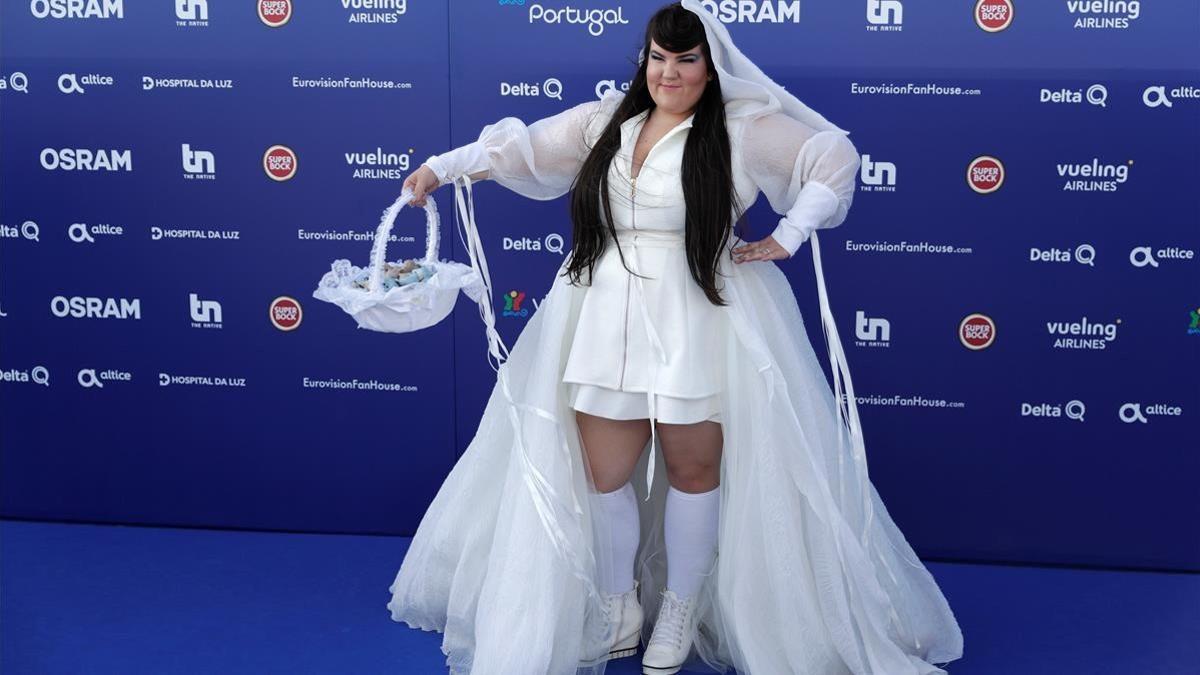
(384, 231)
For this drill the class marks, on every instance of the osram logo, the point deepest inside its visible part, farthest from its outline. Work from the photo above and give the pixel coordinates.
(993, 15)
(285, 313)
(985, 174)
(752, 11)
(82, 307)
(280, 162)
(275, 13)
(77, 9)
(85, 159)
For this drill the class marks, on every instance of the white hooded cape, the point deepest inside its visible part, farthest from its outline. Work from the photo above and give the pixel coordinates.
(811, 576)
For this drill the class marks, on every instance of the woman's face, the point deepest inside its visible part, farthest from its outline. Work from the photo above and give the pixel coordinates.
(676, 79)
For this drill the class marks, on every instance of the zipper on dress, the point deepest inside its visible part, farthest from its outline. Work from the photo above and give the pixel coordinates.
(633, 226)
(628, 281)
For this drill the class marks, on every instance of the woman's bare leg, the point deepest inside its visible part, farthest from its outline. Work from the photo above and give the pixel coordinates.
(612, 448)
(693, 454)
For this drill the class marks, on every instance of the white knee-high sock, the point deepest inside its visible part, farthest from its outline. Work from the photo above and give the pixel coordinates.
(622, 509)
(690, 522)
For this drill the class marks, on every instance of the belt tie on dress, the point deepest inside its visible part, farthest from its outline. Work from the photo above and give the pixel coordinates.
(635, 239)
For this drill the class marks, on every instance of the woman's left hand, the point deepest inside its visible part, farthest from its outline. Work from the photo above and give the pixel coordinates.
(764, 249)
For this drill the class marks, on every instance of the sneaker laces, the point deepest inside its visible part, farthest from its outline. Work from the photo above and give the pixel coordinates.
(670, 625)
(610, 608)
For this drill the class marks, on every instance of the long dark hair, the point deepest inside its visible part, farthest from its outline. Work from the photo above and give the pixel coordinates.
(707, 172)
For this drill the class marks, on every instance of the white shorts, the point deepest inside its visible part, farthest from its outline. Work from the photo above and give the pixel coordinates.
(628, 405)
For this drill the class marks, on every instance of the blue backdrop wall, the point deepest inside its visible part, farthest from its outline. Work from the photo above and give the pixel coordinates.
(1016, 284)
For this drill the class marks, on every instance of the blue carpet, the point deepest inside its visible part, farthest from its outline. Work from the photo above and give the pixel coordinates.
(113, 599)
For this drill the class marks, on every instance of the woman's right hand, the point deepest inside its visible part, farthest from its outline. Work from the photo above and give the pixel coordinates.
(422, 181)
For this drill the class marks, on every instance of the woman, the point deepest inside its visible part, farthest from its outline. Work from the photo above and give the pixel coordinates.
(765, 546)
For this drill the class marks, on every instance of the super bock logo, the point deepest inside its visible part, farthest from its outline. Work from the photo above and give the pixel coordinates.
(280, 162)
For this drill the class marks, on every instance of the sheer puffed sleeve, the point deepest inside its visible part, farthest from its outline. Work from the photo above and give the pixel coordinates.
(539, 161)
(808, 176)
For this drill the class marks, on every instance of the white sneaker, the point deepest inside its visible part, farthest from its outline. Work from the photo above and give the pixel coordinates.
(672, 637)
(623, 615)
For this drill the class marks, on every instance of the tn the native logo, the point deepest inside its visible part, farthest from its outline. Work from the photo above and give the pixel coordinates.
(885, 12)
(191, 10)
(877, 173)
(204, 311)
(871, 330)
(198, 161)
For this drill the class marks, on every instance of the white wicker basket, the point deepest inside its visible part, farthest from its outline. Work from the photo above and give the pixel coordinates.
(404, 308)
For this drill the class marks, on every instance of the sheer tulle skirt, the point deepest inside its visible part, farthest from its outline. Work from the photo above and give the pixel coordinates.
(811, 576)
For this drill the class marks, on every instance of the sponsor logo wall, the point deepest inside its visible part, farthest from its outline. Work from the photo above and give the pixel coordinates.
(1016, 286)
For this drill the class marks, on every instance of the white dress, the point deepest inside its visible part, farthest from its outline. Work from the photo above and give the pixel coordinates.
(609, 366)
(811, 576)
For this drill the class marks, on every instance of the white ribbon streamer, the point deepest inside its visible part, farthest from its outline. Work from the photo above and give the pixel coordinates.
(545, 498)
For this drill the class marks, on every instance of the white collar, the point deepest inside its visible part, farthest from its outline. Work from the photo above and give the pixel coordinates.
(629, 125)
